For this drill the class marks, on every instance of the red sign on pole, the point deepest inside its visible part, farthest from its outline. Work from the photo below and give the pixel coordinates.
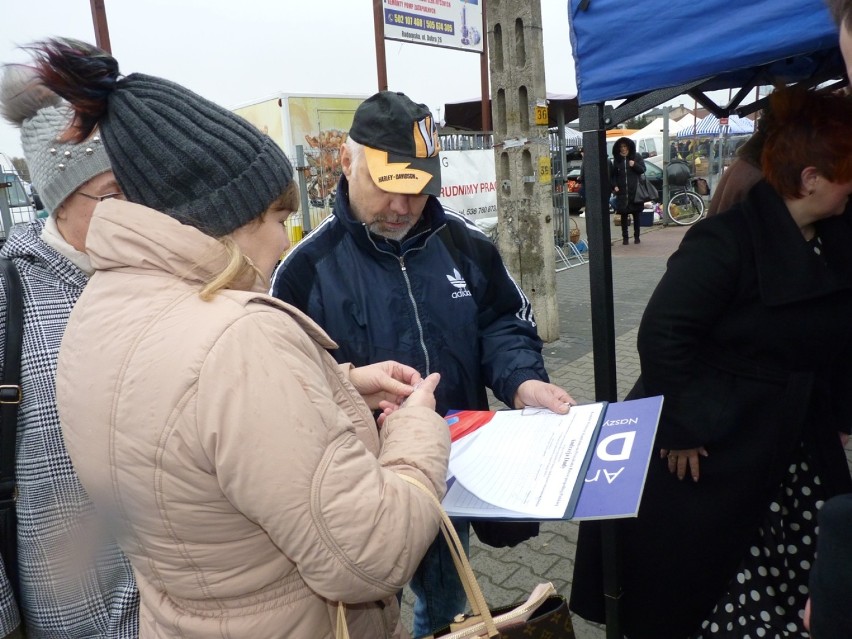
(723, 121)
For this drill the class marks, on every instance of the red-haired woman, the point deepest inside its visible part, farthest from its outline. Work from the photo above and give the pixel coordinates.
(747, 337)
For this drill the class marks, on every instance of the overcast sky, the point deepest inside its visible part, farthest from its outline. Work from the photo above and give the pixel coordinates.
(238, 52)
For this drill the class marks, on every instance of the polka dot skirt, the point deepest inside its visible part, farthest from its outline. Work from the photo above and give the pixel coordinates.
(767, 596)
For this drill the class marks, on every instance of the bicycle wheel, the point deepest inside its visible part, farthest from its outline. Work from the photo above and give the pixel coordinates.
(686, 208)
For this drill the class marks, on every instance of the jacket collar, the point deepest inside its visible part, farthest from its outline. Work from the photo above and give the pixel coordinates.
(432, 221)
(126, 235)
(129, 236)
(25, 241)
(788, 269)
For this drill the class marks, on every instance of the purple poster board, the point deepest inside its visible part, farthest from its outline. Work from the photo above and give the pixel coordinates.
(616, 476)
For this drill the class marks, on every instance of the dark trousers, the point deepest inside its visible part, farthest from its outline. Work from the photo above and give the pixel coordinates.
(636, 211)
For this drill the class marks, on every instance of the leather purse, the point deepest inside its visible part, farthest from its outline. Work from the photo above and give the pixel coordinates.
(10, 399)
(543, 615)
(645, 191)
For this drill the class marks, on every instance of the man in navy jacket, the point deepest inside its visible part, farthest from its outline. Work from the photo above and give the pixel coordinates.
(391, 274)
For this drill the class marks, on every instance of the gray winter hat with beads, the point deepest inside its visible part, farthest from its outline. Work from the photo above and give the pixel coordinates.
(57, 168)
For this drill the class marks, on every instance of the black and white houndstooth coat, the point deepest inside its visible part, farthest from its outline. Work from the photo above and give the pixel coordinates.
(75, 582)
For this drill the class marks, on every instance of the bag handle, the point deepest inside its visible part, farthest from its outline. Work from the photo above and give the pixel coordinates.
(462, 563)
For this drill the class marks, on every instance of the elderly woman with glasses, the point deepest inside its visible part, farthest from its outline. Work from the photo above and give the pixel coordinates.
(74, 581)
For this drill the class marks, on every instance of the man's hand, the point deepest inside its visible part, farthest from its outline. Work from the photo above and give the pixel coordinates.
(423, 395)
(385, 383)
(534, 392)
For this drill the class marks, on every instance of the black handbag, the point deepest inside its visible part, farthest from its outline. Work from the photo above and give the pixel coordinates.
(10, 399)
(645, 191)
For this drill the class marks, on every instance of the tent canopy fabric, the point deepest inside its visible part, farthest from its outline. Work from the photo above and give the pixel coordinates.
(649, 51)
(710, 126)
(653, 129)
(626, 48)
(687, 121)
(573, 137)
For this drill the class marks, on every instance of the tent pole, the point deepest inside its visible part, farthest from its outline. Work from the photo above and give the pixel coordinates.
(593, 126)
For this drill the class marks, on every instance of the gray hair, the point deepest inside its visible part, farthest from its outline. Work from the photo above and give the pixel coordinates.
(356, 152)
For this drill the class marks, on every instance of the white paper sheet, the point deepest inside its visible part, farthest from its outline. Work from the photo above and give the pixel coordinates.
(526, 463)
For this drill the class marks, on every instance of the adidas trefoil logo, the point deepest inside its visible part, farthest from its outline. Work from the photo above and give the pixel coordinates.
(458, 281)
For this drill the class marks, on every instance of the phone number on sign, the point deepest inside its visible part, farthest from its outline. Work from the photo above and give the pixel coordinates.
(480, 210)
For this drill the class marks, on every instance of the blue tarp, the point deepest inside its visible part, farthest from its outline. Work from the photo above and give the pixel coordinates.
(627, 47)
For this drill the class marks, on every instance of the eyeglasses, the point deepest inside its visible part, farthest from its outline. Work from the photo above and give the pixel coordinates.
(101, 198)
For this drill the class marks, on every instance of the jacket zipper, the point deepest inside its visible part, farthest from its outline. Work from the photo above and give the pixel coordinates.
(402, 267)
(416, 314)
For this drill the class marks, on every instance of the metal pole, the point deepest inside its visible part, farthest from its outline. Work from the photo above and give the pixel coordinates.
(301, 167)
(99, 20)
(563, 174)
(5, 213)
(381, 61)
(667, 157)
(603, 325)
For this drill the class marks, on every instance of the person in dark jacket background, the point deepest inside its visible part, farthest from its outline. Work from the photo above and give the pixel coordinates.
(392, 272)
(626, 167)
(747, 337)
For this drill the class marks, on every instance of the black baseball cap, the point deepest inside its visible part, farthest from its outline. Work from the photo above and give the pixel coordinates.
(401, 143)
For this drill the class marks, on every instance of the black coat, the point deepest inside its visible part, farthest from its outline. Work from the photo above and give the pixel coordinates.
(748, 338)
(626, 177)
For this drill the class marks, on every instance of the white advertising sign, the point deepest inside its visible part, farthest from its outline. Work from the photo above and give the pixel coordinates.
(469, 183)
(456, 24)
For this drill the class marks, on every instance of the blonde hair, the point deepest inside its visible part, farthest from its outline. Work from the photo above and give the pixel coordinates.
(240, 266)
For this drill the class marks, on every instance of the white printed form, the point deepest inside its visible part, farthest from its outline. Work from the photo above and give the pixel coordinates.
(527, 464)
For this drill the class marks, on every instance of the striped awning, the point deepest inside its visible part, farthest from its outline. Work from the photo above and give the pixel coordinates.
(710, 126)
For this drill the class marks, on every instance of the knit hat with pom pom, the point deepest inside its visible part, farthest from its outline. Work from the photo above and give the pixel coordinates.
(57, 168)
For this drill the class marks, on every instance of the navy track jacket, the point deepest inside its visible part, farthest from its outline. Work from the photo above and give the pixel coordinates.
(442, 301)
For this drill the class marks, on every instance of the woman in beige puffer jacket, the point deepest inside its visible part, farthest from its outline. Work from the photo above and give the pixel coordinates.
(239, 465)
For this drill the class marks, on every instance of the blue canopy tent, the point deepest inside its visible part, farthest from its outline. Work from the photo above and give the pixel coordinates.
(689, 48)
(646, 53)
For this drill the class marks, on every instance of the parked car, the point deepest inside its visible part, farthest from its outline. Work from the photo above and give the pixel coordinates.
(572, 191)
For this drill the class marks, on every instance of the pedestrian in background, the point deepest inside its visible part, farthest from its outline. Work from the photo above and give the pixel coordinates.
(74, 581)
(425, 287)
(747, 337)
(206, 419)
(626, 167)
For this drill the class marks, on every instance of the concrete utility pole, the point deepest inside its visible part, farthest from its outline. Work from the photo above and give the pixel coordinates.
(522, 155)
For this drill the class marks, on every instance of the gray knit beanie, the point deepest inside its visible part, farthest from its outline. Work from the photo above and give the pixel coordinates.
(57, 168)
(185, 156)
